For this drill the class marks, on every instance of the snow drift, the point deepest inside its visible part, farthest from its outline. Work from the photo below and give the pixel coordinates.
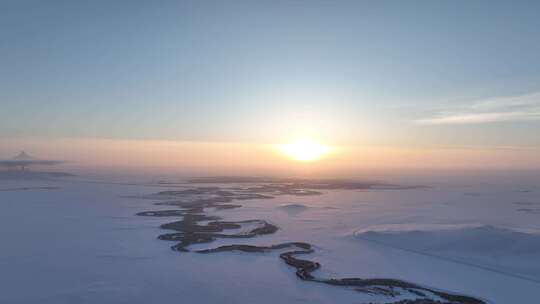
(498, 249)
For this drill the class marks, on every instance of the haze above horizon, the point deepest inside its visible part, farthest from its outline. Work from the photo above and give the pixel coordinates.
(380, 84)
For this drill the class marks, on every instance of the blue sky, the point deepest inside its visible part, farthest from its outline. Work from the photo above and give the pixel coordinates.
(444, 73)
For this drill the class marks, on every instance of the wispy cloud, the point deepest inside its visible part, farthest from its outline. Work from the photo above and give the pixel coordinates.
(512, 108)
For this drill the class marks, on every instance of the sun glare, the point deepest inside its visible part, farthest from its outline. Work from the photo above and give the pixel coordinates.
(304, 150)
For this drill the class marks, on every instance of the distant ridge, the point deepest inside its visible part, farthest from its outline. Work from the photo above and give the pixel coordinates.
(23, 156)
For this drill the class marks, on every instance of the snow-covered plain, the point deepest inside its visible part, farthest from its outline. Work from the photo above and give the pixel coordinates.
(75, 240)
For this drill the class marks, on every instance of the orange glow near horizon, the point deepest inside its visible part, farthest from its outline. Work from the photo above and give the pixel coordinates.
(223, 158)
(304, 150)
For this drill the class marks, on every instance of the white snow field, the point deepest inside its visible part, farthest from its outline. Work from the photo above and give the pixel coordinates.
(78, 240)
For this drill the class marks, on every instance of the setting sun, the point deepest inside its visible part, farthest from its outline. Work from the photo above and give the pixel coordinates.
(304, 150)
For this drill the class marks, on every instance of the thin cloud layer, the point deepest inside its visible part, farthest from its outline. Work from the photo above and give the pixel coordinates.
(513, 108)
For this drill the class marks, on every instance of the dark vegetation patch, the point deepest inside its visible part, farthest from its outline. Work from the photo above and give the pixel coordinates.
(526, 203)
(529, 210)
(30, 188)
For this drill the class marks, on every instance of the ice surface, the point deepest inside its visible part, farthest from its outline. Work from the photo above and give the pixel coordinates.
(499, 249)
(292, 209)
(74, 240)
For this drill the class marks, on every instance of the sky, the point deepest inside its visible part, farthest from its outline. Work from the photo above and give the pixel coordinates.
(391, 83)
